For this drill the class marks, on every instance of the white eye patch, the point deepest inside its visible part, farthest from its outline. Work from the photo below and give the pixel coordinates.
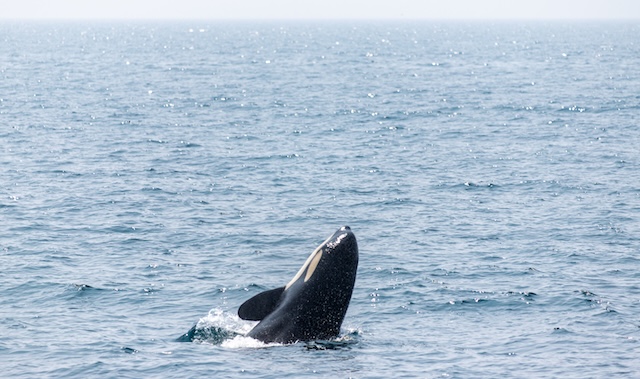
(313, 265)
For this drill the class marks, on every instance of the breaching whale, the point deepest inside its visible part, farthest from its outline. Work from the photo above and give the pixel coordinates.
(313, 304)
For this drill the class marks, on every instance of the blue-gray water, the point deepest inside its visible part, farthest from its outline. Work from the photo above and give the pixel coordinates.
(157, 174)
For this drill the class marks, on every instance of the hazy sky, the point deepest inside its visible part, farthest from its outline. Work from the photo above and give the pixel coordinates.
(321, 9)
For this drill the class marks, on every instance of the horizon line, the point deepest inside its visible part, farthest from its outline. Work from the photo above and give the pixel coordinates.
(320, 19)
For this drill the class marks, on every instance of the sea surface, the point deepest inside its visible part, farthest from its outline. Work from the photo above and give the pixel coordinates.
(155, 176)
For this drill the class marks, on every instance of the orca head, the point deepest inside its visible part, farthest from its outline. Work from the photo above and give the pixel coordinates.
(335, 260)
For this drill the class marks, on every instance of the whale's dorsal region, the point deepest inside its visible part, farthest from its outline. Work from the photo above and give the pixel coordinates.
(313, 304)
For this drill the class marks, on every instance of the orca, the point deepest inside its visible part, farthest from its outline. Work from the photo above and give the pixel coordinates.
(313, 304)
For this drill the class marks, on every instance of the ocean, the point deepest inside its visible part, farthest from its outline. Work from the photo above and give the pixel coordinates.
(157, 175)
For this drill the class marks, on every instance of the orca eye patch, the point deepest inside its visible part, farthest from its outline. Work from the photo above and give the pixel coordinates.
(313, 265)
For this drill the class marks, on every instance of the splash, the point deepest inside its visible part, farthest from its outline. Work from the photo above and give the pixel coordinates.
(241, 342)
(217, 327)
(226, 320)
(229, 331)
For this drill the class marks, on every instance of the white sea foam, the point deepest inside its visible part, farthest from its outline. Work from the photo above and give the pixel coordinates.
(218, 318)
(239, 342)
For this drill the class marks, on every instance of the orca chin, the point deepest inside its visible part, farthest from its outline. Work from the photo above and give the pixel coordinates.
(312, 305)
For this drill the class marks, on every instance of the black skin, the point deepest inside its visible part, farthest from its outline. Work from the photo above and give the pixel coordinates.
(312, 310)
